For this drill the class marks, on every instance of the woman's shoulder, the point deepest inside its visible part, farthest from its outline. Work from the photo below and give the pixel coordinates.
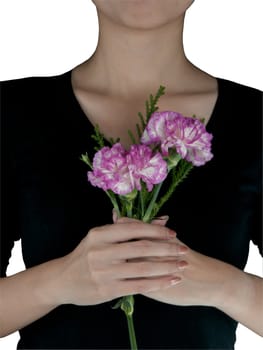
(241, 104)
(237, 122)
(31, 83)
(31, 93)
(239, 94)
(236, 89)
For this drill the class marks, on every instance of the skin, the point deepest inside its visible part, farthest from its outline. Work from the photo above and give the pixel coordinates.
(231, 290)
(98, 270)
(140, 46)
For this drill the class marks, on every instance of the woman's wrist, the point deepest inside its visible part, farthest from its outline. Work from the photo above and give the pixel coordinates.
(49, 285)
(242, 300)
(235, 286)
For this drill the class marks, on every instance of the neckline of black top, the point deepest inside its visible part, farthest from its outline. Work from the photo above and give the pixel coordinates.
(69, 87)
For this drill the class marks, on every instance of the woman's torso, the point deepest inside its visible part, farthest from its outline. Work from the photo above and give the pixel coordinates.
(51, 205)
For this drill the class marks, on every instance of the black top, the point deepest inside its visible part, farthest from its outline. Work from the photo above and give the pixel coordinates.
(47, 202)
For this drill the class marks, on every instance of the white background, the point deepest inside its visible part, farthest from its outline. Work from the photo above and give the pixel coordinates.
(49, 37)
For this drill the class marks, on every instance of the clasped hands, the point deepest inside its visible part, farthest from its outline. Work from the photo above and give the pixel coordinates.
(132, 257)
(196, 278)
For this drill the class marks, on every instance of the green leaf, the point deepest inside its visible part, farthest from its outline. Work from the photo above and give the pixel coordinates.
(178, 173)
(132, 137)
(112, 141)
(98, 137)
(117, 305)
(86, 160)
(139, 132)
(150, 107)
(142, 120)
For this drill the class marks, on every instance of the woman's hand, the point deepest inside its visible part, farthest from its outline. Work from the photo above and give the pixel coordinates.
(105, 264)
(204, 281)
(101, 268)
(210, 282)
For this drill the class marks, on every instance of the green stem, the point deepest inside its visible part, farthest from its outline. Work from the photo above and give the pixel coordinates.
(147, 217)
(142, 203)
(174, 184)
(114, 202)
(129, 209)
(132, 335)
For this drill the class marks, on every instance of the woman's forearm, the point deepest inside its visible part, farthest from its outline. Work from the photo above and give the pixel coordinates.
(96, 271)
(242, 299)
(207, 281)
(28, 295)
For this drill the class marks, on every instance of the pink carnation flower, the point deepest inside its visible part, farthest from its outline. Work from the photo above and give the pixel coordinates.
(110, 170)
(121, 171)
(187, 135)
(145, 166)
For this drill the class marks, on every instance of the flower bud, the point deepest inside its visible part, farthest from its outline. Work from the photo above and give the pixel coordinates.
(127, 305)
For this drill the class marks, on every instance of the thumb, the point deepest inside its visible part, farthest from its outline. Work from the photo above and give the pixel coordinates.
(160, 220)
(123, 219)
(114, 216)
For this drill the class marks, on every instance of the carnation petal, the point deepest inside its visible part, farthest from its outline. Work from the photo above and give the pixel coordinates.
(146, 166)
(188, 136)
(110, 170)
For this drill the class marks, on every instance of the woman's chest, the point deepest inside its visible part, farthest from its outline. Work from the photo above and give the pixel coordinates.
(210, 210)
(116, 117)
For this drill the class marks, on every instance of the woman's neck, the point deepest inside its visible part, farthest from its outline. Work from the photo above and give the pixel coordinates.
(133, 62)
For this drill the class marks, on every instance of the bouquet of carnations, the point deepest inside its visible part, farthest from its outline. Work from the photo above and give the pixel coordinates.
(166, 148)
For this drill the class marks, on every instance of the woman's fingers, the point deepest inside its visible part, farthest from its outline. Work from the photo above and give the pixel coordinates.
(160, 220)
(143, 286)
(114, 216)
(142, 249)
(129, 257)
(121, 288)
(145, 269)
(127, 231)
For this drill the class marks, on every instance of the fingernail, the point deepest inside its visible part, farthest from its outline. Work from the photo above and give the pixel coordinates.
(164, 217)
(114, 215)
(175, 280)
(182, 249)
(171, 234)
(182, 265)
